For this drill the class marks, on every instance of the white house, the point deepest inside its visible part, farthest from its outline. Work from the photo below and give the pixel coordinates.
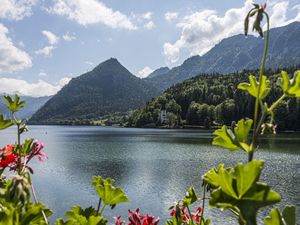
(163, 117)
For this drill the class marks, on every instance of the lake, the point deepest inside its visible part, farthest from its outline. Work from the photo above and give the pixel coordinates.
(155, 167)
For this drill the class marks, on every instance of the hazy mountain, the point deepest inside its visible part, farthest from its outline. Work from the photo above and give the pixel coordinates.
(32, 105)
(108, 88)
(238, 53)
(159, 72)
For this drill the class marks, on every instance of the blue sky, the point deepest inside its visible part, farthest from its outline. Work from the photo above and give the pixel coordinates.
(45, 43)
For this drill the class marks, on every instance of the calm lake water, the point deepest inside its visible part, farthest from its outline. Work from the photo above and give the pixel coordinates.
(154, 167)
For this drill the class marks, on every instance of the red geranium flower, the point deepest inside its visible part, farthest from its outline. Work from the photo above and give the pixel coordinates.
(197, 215)
(8, 156)
(119, 221)
(186, 217)
(136, 219)
(172, 212)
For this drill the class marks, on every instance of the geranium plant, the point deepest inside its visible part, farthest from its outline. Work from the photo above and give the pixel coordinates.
(238, 188)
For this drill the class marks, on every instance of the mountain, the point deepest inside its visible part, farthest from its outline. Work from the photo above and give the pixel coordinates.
(32, 105)
(107, 89)
(160, 71)
(211, 99)
(238, 53)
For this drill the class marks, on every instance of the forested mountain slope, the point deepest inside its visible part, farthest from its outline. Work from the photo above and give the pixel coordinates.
(213, 99)
(108, 88)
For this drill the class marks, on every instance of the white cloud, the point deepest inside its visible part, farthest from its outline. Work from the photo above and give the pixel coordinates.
(171, 52)
(144, 20)
(147, 16)
(171, 16)
(150, 25)
(69, 37)
(16, 9)
(11, 58)
(64, 81)
(296, 7)
(52, 38)
(280, 12)
(144, 72)
(202, 30)
(37, 89)
(46, 51)
(86, 12)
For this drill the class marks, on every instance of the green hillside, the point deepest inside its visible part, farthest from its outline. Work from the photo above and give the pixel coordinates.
(209, 100)
(108, 88)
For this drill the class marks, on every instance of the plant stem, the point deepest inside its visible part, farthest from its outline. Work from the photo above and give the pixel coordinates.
(264, 114)
(36, 201)
(102, 209)
(262, 119)
(203, 203)
(99, 204)
(261, 73)
(275, 104)
(190, 215)
(18, 143)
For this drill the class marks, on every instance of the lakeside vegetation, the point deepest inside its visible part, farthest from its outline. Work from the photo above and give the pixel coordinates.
(209, 100)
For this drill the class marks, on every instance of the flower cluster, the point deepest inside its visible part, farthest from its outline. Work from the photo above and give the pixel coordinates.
(12, 156)
(38, 150)
(8, 157)
(135, 218)
(181, 212)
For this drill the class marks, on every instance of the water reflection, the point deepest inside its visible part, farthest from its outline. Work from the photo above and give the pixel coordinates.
(155, 167)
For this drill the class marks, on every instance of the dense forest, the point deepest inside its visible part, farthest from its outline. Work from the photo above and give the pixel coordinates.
(212, 100)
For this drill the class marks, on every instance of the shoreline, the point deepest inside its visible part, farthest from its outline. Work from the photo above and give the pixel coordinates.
(188, 127)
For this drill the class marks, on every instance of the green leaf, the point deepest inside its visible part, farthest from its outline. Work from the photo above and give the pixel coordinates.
(290, 87)
(190, 197)
(109, 194)
(27, 147)
(252, 88)
(222, 178)
(206, 222)
(242, 131)
(237, 140)
(238, 189)
(274, 218)
(4, 123)
(34, 214)
(225, 138)
(87, 216)
(60, 222)
(247, 175)
(289, 215)
(14, 105)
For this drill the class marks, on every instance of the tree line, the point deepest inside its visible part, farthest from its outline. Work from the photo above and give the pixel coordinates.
(209, 100)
